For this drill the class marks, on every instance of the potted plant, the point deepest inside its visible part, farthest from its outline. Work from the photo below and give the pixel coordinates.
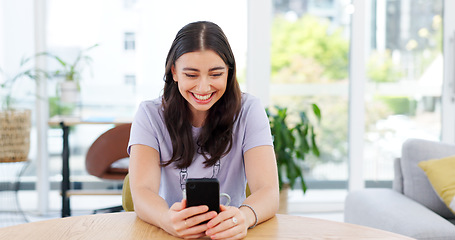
(15, 123)
(69, 88)
(293, 141)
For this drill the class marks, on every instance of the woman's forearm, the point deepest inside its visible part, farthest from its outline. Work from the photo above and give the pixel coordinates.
(265, 203)
(150, 207)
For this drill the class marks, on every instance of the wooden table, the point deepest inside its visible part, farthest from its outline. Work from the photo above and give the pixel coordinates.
(65, 123)
(126, 225)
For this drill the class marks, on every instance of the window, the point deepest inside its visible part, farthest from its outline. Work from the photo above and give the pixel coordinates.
(403, 89)
(130, 79)
(130, 41)
(310, 49)
(309, 58)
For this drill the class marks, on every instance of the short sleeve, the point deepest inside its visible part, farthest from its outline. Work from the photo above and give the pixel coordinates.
(256, 124)
(144, 126)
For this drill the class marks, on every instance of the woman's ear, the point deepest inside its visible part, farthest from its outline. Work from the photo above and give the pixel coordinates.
(174, 74)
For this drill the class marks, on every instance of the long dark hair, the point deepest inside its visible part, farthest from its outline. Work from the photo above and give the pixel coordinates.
(215, 139)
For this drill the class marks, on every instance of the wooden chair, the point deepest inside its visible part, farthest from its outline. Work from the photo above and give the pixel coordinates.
(105, 153)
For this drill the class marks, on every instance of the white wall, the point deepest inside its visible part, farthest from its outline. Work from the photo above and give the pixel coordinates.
(16, 32)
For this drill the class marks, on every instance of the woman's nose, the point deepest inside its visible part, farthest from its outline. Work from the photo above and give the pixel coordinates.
(204, 85)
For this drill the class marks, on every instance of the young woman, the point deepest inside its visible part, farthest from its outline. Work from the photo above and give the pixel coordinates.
(202, 127)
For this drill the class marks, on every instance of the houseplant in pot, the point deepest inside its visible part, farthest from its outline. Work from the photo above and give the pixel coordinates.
(70, 71)
(15, 123)
(293, 141)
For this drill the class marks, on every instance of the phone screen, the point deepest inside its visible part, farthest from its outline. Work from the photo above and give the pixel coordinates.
(203, 191)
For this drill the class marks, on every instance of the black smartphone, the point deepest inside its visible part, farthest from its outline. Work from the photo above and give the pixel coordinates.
(203, 191)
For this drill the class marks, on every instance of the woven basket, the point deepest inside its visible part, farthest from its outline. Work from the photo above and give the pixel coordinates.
(14, 135)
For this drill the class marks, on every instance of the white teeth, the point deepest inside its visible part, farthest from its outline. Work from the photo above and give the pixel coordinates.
(202, 97)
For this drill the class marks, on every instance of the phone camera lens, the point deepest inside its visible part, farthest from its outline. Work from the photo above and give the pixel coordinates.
(192, 186)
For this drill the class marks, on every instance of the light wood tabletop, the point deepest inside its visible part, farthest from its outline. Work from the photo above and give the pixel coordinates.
(126, 225)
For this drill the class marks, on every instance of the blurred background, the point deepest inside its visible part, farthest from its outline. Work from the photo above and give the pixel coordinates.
(308, 46)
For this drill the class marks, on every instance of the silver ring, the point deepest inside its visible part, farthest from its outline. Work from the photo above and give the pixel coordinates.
(234, 220)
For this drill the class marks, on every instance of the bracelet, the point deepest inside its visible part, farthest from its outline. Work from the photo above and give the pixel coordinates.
(254, 212)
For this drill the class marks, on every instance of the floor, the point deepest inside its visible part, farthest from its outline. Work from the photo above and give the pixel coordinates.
(324, 204)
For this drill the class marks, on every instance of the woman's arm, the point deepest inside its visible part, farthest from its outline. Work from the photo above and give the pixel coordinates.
(262, 175)
(145, 174)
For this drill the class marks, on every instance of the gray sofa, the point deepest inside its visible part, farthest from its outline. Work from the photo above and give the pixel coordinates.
(412, 207)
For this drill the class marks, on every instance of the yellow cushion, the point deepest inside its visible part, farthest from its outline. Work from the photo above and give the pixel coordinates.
(127, 199)
(441, 174)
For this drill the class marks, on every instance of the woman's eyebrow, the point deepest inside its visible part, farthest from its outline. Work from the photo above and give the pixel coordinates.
(217, 68)
(190, 69)
(197, 70)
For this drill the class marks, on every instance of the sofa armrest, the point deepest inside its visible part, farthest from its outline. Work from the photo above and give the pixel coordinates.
(397, 183)
(415, 183)
(391, 211)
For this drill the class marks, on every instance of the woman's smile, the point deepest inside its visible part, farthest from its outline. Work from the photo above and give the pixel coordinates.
(203, 98)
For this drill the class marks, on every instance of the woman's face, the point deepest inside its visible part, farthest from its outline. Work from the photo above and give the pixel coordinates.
(202, 78)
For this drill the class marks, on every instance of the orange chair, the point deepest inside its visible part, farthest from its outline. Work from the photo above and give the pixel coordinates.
(107, 157)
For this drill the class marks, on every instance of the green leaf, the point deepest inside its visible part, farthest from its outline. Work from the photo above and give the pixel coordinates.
(63, 63)
(316, 111)
(303, 118)
(313, 142)
(302, 183)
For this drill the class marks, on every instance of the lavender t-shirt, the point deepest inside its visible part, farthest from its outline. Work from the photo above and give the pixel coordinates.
(251, 129)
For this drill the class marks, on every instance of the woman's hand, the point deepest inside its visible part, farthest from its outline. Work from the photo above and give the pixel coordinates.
(229, 224)
(185, 222)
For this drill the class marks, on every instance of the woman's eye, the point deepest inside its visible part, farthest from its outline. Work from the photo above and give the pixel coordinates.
(190, 75)
(217, 74)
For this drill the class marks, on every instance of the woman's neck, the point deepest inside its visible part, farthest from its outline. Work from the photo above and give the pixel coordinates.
(198, 119)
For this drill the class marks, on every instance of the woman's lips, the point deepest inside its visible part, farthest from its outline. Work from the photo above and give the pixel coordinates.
(202, 98)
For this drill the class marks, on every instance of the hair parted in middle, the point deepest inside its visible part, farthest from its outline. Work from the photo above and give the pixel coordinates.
(215, 139)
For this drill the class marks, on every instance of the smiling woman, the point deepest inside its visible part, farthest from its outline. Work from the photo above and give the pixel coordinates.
(202, 127)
